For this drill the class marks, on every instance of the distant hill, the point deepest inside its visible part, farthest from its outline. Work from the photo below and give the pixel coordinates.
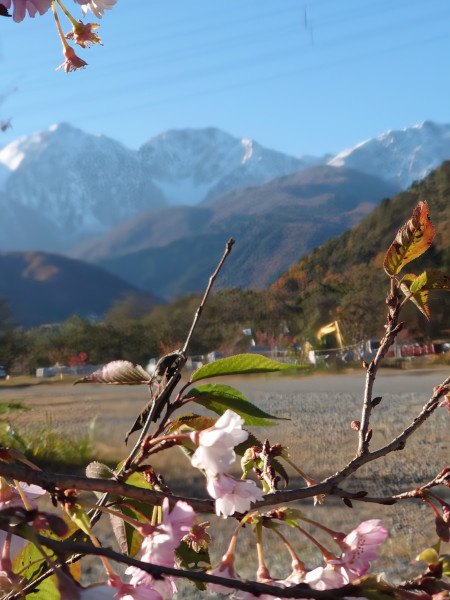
(49, 288)
(344, 278)
(273, 224)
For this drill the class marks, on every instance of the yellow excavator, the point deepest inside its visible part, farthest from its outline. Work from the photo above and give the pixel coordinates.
(331, 328)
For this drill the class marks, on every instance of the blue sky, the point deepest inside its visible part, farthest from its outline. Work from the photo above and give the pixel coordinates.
(300, 77)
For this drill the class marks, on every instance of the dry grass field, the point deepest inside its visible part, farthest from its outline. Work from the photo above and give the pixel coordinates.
(320, 441)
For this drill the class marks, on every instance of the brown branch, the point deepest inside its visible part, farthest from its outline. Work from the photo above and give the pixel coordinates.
(52, 481)
(391, 333)
(63, 548)
(397, 444)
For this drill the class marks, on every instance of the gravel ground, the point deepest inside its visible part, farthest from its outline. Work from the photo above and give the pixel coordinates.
(320, 440)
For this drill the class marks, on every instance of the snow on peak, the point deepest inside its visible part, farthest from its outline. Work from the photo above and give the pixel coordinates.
(191, 165)
(85, 183)
(248, 150)
(11, 155)
(402, 156)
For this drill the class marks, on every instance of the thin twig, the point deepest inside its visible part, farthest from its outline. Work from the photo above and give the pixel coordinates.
(171, 375)
(228, 248)
(398, 443)
(392, 331)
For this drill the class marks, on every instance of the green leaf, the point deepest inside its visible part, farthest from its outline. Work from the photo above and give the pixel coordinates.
(138, 480)
(292, 514)
(412, 240)
(128, 538)
(29, 562)
(430, 280)
(241, 364)
(190, 560)
(135, 509)
(420, 299)
(118, 372)
(120, 533)
(79, 517)
(220, 398)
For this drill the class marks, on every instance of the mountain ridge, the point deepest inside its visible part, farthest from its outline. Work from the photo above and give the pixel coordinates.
(85, 185)
(274, 224)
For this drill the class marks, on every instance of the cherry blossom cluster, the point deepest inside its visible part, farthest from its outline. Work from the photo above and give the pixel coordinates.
(82, 34)
(160, 542)
(358, 548)
(215, 455)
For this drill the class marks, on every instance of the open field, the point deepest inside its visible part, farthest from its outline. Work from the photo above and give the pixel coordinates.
(319, 436)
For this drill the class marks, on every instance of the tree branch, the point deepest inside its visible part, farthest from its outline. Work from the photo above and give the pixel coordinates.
(63, 548)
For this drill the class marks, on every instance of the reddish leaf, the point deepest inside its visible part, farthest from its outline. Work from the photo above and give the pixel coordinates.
(118, 371)
(412, 240)
(196, 422)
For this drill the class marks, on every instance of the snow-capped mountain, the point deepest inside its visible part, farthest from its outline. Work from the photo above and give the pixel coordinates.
(191, 165)
(85, 184)
(400, 156)
(81, 185)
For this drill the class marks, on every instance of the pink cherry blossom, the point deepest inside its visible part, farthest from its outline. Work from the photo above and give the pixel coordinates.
(233, 495)
(241, 595)
(163, 540)
(327, 578)
(215, 453)
(96, 6)
(32, 6)
(83, 35)
(362, 545)
(10, 496)
(445, 402)
(142, 581)
(72, 62)
(198, 538)
(294, 578)
(224, 569)
(159, 545)
(137, 592)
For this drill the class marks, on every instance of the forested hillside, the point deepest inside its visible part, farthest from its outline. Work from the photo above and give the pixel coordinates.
(344, 277)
